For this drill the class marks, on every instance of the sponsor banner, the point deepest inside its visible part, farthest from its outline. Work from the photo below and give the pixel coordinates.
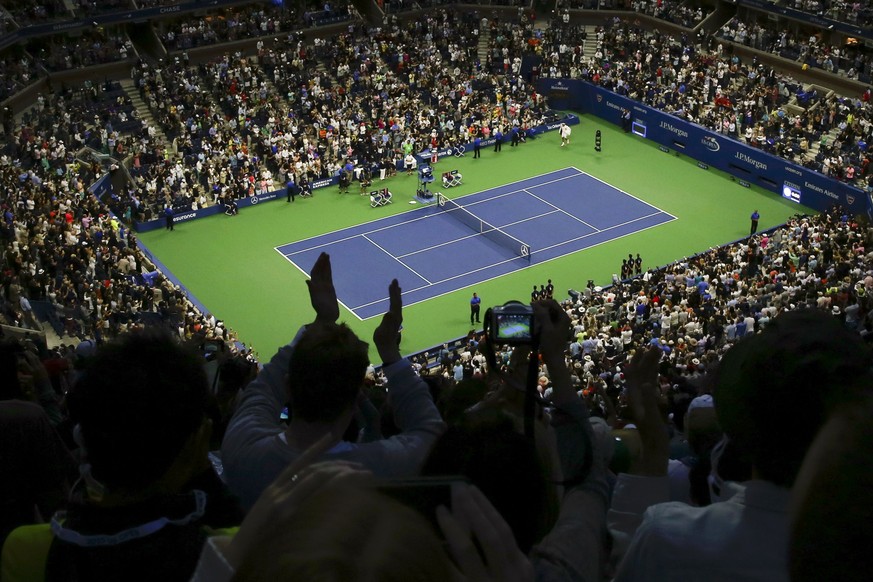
(748, 164)
(101, 186)
(253, 200)
(179, 217)
(425, 155)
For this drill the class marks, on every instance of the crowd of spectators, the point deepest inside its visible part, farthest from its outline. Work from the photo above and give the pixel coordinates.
(91, 47)
(17, 70)
(230, 24)
(26, 13)
(806, 47)
(374, 97)
(789, 309)
(398, 6)
(253, 20)
(701, 81)
(67, 259)
(637, 382)
(6, 23)
(153, 3)
(687, 14)
(93, 7)
(852, 12)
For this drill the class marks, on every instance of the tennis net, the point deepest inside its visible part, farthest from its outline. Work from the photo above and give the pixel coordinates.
(490, 231)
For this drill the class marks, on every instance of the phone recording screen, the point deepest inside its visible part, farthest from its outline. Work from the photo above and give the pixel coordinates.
(513, 326)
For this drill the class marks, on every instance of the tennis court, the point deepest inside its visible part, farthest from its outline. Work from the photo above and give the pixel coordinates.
(439, 249)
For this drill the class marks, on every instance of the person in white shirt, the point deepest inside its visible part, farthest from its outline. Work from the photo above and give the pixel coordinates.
(565, 132)
(772, 392)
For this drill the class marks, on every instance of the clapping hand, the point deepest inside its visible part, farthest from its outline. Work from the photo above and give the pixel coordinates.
(385, 336)
(321, 291)
(553, 326)
(641, 377)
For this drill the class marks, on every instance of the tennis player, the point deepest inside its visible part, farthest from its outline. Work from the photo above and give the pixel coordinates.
(565, 132)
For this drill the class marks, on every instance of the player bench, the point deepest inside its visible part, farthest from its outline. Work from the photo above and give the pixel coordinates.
(451, 179)
(380, 198)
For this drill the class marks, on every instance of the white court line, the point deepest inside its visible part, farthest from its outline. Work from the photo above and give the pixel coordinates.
(604, 230)
(491, 198)
(334, 241)
(626, 193)
(327, 234)
(305, 274)
(451, 242)
(375, 244)
(524, 180)
(474, 235)
(559, 209)
(522, 190)
(399, 224)
(446, 280)
(552, 246)
(520, 269)
(524, 267)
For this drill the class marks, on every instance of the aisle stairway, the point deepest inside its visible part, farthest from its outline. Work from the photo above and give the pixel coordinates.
(589, 47)
(484, 41)
(142, 110)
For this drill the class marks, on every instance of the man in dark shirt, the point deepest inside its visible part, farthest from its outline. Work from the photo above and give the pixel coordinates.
(168, 216)
(474, 309)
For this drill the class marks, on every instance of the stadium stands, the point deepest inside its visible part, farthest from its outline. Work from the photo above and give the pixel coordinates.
(222, 129)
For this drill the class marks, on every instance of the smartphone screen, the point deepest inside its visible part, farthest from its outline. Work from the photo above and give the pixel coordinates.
(514, 326)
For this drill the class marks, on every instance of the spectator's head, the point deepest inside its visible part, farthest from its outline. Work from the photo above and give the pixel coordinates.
(774, 390)
(140, 408)
(487, 446)
(327, 370)
(10, 355)
(345, 533)
(832, 505)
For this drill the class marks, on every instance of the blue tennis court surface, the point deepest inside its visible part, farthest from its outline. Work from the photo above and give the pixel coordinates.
(431, 253)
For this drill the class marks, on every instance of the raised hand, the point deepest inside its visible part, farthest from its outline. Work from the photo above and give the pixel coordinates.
(321, 291)
(641, 378)
(553, 326)
(385, 335)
